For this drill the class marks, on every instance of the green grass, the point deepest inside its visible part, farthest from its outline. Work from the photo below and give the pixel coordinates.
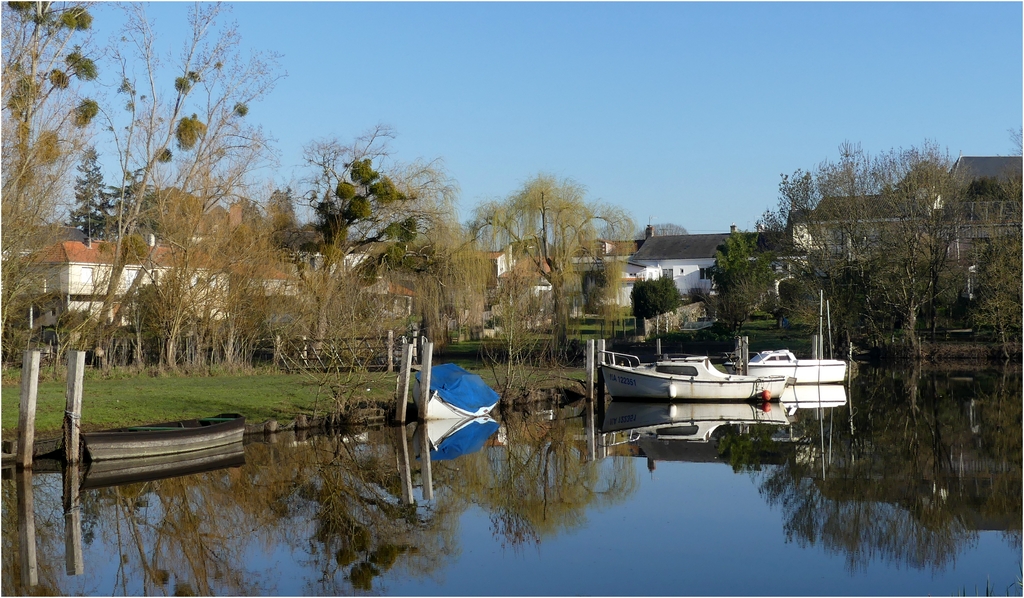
(145, 399)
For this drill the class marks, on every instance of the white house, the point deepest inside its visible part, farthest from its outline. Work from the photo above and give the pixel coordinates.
(685, 259)
(75, 275)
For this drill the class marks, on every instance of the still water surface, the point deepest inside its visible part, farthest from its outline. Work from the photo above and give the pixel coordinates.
(907, 484)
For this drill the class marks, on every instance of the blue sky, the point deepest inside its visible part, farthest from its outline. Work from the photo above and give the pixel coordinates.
(683, 113)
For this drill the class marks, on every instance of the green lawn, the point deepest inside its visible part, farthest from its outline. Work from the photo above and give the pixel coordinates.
(145, 399)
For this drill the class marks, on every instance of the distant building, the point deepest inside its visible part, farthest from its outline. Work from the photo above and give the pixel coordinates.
(686, 259)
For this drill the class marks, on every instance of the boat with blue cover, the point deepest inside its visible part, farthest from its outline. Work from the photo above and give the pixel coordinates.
(456, 394)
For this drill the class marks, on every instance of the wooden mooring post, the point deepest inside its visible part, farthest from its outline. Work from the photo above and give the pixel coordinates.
(27, 409)
(589, 365)
(424, 394)
(402, 391)
(73, 411)
(391, 351)
(742, 354)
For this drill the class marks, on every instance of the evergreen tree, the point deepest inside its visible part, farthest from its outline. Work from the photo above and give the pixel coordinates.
(652, 298)
(94, 203)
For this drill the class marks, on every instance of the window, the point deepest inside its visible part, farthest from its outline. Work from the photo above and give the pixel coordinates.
(668, 273)
(705, 273)
(677, 370)
(85, 276)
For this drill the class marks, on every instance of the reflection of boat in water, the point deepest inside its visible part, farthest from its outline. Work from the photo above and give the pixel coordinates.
(686, 421)
(805, 396)
(116, 472)
(169, 438)
(685, 378)
(451, 438)
(456, 394)
(804, 371)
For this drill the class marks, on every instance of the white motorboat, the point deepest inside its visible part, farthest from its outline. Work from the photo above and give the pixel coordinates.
(693, 422)
(684, 378)
(805, 371)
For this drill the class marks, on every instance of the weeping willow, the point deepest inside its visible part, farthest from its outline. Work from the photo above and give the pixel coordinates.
(550, 225)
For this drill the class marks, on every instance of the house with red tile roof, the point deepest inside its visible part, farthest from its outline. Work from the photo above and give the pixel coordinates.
(76, 274)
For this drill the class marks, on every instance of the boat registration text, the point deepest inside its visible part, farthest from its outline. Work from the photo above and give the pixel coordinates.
(623, 380)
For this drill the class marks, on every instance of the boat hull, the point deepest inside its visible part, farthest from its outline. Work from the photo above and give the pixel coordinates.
(115, 472)
(438, 408)
(645, 383)
(164, 439)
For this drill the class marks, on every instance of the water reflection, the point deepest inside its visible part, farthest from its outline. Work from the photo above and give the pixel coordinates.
(911, 475)
(906, 469)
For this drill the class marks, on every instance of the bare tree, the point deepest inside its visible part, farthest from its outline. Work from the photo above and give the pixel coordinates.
(166, 154)
(46, 57)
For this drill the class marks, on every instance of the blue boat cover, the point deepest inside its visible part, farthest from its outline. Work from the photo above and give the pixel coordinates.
(468, 439)
(460, 389)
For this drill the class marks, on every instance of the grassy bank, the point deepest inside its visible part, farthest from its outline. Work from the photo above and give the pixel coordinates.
(128, 398)
(109, 403)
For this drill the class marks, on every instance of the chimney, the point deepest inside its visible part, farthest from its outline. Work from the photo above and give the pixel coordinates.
(732, 228)
(88, 242)
(648, 232)
(151, 240)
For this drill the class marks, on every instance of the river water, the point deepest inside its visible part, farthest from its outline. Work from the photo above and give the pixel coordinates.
(906, 483)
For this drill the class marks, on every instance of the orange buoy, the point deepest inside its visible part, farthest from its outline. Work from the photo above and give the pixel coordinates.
(766, 407)
(766, 395)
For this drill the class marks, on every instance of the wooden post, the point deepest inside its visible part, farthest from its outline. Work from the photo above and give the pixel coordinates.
(404, 464)
(814, 347)
(600, 399)
(425, 474)
(600, 352)
(73, 559)
(424, 395)
(27, 525)
(73, 411)
(391, 351)
(589, 364)
(402, 392)
(746, 354)
(657, 348)
(27, 410)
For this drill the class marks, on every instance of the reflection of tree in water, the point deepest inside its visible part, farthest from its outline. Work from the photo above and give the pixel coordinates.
(360, 526)
(540, 483)
(932, 460)
(334, 500)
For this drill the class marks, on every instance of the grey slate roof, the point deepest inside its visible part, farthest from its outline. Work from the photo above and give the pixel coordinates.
(680, 247)
(995, 167)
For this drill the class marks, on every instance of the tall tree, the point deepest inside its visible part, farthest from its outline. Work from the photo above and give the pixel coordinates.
(366, 214)
(743, 277)
(185, 136)
(46, 58)
(550, 223)
(93, 203)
